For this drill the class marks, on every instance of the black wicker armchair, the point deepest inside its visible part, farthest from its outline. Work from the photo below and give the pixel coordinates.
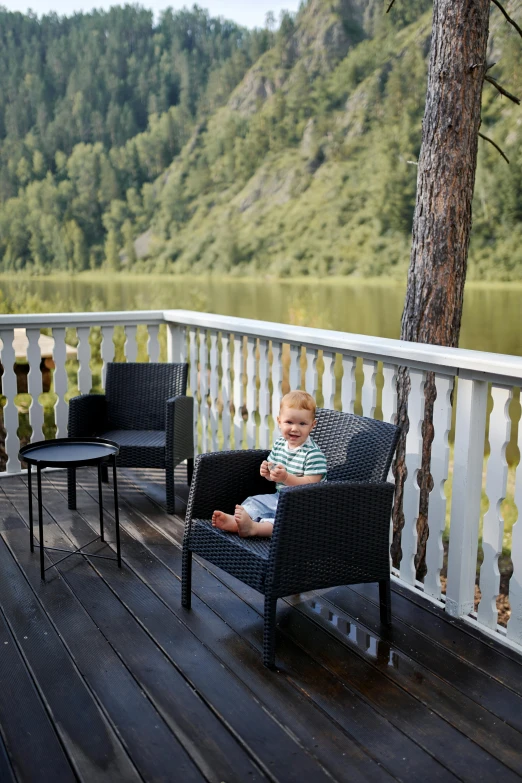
(328, 534)
(146, 411)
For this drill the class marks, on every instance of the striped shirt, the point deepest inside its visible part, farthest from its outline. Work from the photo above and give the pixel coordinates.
(306, 460)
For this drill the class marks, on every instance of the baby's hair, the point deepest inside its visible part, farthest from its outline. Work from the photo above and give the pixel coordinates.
(300, 400)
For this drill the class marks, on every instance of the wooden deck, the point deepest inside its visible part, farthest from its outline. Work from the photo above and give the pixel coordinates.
(104, 677)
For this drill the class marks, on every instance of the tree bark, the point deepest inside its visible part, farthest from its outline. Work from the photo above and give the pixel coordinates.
(442, 221)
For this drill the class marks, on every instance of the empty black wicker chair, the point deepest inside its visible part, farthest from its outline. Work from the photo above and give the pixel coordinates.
(328, 534)
(146, 411)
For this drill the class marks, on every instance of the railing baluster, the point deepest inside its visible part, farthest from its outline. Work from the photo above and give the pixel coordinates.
(348, 387)
(214, 390)
(251, 392)
(264, 395)
(193, 381)
(226, 390)
(153, 347)
(413, 465)
(10, 411)
(389, 412)
(84, 359)
(131, 344)
(389, 393)
(328, 379)
(493, 525)
(277, 382)
(107, 350)
(439, 471)
(311, 376)
(34, 383)
(176, 343)
(60, 381)
(369, 389)
(294, 370)
(203, 388)
(238, 392)
(514, 625)
(465, 498)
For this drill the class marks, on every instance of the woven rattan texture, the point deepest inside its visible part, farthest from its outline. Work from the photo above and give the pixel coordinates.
(244, 558)
(356, 448)
(136, 393)
(145, 411)
(330, 534)
(327, 534)
(87, 416)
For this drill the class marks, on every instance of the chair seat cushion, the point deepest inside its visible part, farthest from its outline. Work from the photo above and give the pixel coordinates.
(138, 448)
(244, 558)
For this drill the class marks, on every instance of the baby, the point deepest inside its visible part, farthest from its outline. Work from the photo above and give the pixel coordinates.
(295, 459)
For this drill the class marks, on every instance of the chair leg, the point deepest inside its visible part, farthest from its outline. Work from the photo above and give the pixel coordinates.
(190, 470)
(171, 490)
(385, 601)
(269, 632)
(71, 488)
(105, 474)
(186, 577)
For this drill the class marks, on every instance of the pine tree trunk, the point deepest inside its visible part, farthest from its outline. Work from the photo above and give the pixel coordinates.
(442, 221)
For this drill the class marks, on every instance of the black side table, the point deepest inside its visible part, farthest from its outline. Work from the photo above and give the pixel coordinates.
(70, 453)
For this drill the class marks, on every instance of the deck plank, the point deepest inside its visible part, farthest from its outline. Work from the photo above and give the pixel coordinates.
(153, 747)
(7, 774)
(473, 683)
(93, 748)
(499, 740)
(31, 741)
(484, 654)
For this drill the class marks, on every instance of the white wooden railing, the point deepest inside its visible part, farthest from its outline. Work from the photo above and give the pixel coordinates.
(239, 368)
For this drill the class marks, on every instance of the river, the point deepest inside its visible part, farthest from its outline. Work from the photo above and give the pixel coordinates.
(492, 319)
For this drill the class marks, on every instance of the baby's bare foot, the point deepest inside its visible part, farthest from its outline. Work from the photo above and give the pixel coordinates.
(224, 521)
(245, 524)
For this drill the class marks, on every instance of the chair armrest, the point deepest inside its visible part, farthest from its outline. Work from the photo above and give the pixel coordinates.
(330, 534)
(222, 479)
(87, 415)
(179, 424)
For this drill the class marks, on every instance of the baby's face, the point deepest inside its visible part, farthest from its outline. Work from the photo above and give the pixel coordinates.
(295, 425)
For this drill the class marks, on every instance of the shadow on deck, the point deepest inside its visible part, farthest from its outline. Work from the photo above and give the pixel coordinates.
(104, 677)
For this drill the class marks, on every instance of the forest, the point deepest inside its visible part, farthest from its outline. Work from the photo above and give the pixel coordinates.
(193, 145)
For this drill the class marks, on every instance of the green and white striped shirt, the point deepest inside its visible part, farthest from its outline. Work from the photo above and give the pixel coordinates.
(306, 460)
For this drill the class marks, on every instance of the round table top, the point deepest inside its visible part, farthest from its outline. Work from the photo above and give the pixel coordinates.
(68, 452)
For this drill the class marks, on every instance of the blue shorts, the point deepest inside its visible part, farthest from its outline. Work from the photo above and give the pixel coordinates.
(262, 508)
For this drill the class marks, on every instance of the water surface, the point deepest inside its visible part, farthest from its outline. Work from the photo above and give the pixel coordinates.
(492, 319)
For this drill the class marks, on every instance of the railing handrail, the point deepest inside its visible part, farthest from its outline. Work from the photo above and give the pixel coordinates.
(45, 320)
(479, 365)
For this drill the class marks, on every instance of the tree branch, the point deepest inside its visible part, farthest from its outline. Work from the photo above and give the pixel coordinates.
(390, 6)
(486, 138)
(509, 19)
(501, 89)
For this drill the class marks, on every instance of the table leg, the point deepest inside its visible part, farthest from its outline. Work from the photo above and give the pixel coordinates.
(40, 520)
(116, 512)
(100, 499)
(30, 488)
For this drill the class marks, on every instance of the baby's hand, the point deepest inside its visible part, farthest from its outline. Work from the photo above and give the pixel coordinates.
(278, 473)
(265, 469)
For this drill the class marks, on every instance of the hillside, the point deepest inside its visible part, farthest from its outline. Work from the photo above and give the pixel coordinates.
(307, 166)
